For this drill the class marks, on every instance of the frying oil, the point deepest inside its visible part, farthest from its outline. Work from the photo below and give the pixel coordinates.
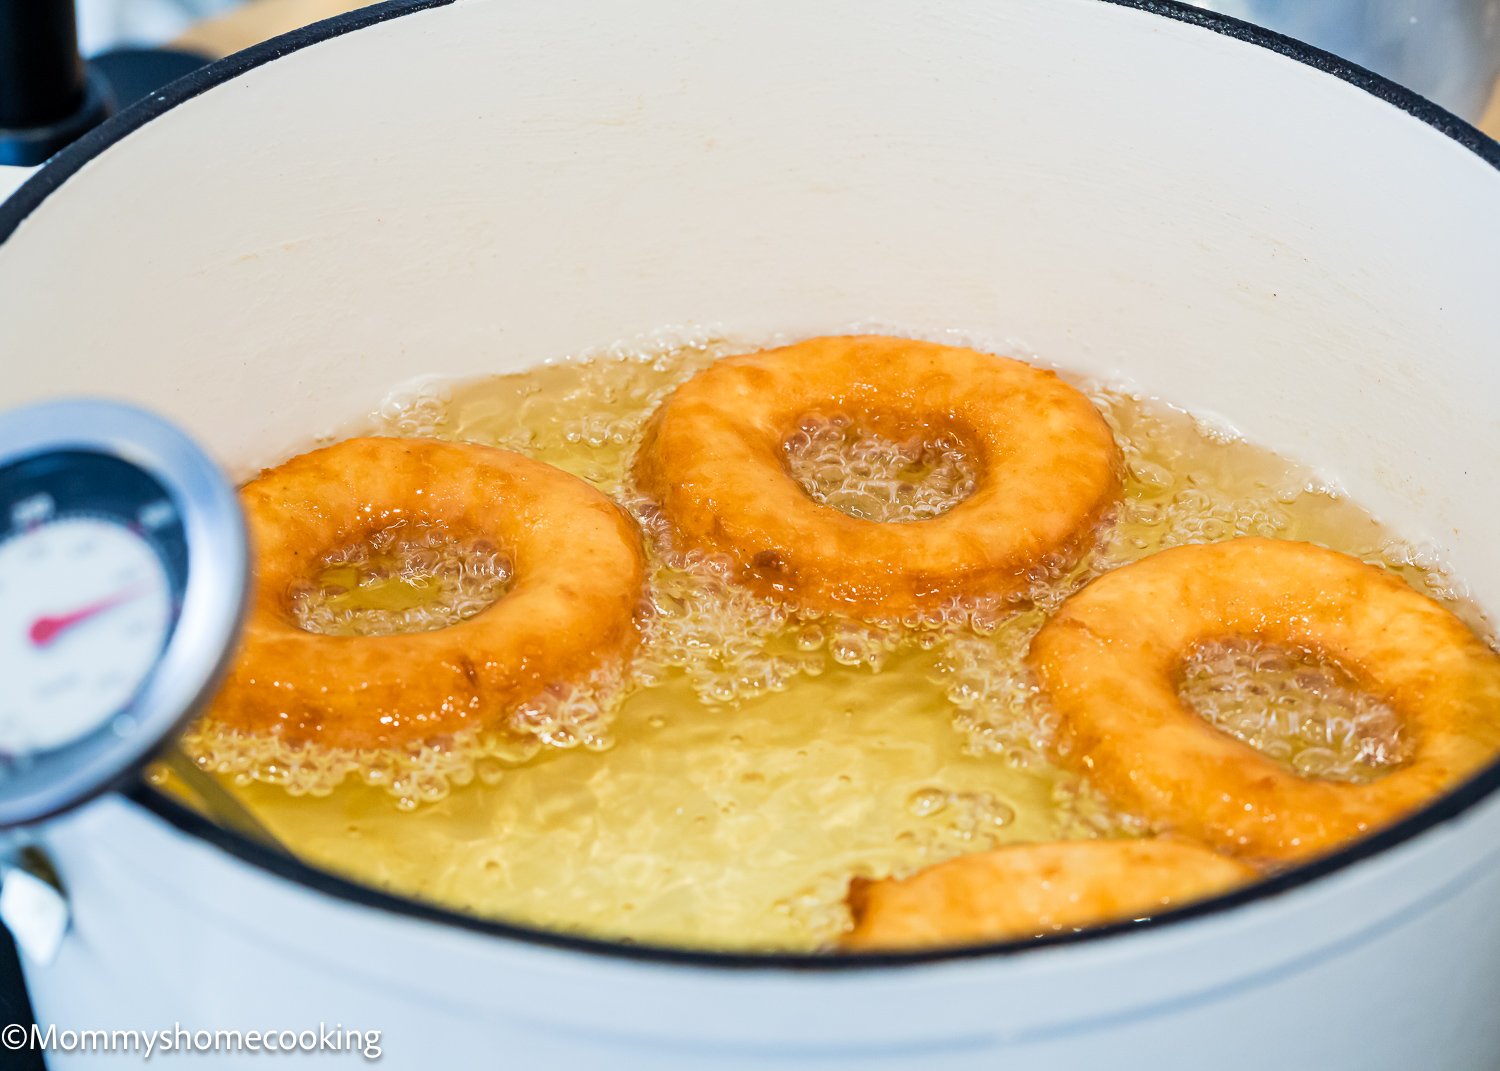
(753, 760)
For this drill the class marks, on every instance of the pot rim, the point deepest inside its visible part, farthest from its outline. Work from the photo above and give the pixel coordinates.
(1453, 804)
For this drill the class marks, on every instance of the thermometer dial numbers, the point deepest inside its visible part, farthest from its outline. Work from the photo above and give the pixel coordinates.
(86, 608)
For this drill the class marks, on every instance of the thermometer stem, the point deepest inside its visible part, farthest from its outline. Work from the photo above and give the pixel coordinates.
(219, 803)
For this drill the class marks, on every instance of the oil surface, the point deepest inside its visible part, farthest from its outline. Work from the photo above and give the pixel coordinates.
(755, 759)
(415, 582)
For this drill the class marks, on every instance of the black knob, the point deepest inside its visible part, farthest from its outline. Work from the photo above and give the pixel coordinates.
(41, 73)
(46, 96)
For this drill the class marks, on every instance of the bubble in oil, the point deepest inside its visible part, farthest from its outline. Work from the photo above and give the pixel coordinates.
(869, 476)
(991, 691)
(401, 580)
(416, 411)
(564, 716)
(927, 801)
(1305, 713)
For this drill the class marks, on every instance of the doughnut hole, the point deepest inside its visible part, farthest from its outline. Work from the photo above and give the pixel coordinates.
(1301, 710)
(408, 578)
(876, 473)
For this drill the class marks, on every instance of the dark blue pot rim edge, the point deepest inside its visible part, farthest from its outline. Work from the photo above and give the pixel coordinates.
(1447, 808)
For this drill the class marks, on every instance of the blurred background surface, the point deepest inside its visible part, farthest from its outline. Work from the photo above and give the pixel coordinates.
(105, 24)
(1447, 50)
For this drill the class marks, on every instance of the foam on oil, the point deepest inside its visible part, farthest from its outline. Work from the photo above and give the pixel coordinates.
(402, 579)
(754, 759)
(875, 478)
(1296, 708)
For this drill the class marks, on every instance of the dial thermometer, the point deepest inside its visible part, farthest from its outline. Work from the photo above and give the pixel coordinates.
(123, 573)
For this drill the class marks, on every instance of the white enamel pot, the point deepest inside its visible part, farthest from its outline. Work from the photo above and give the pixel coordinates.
(1143, 192)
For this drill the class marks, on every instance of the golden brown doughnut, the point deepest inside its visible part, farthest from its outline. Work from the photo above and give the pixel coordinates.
(1109, 664)
(1027, 890)
(1048, 472)
(577, 564)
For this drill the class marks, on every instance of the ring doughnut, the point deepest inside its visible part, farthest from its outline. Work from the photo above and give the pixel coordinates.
(1109, 661)
(1027, 890)
(1048, 472)
(578, 570)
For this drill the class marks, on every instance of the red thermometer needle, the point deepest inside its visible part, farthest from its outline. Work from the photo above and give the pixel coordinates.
(46, 629)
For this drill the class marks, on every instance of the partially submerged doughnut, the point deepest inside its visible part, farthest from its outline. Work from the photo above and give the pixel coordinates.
(577, 574)
(1048, 472)
(1027, 890)
(1109, 664)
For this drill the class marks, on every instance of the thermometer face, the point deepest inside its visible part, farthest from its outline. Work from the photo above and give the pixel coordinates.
(92, 567)
(85, 610)
(123, 572)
